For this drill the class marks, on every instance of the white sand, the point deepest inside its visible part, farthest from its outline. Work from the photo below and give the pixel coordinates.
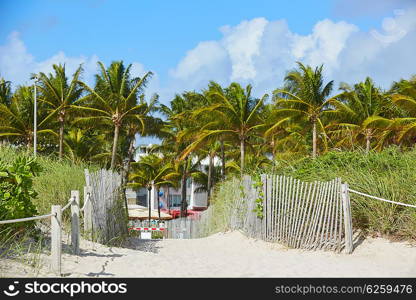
(230, 255)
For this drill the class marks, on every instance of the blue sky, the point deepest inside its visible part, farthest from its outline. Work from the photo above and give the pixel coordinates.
(187, 43)
(155, 33)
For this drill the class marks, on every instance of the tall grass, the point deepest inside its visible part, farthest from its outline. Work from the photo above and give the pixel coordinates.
(390, 174)
(56, 180)
(222, 203)
(25, 247)
(53, 185)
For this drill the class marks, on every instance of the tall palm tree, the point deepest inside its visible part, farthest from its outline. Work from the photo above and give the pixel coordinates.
(305, 96)
(60, 96)
(151, 171)
(115, 100)
(360, 110)
(18, 118)
(177, 133)
(237, 114)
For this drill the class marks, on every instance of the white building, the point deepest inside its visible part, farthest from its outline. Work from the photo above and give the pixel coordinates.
(169, 198)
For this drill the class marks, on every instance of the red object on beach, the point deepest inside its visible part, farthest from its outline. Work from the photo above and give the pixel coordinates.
(176, 213)
(147, 229)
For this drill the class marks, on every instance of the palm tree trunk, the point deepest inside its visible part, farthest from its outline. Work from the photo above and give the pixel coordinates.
(149, 191)
(61, 139)
(368, 140)
(184, 205)
(158, 203)
(130, 158)
(167, 199)
(115, 141)
(314, 141)
(222, 160)
(209, 183)
(242, 150)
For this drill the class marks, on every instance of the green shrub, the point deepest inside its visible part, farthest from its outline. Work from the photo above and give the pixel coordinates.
(16, 190)
(55, 181)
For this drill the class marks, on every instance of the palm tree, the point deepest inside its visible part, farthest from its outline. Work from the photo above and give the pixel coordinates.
(18, 118)
(5, 97)
(83, 144)
(151, 171)
(360, 110)
(305, 96)
(177, 133)
(5, 92)
(150, 126)
(115, 100)
(59, 95)
(403, 94)
(237, 115)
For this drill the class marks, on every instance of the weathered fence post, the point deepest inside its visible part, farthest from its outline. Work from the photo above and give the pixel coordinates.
(87, 212)
(56, 245)
(75, 222)
(347, 217)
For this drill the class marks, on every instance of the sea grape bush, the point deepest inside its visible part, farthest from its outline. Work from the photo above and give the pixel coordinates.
(16, 190)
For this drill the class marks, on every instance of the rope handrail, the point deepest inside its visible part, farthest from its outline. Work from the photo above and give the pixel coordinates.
(381, 199)
(72, 199)
(86, 201)
(26, 219)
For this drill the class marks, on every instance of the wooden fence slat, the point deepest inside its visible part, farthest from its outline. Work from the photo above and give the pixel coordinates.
(316, 228)
(303, 216)
(295, 219)
(339, 216)
(324, 223)
(308, 215)
(274, 216)
(314, 213)
(347, 218)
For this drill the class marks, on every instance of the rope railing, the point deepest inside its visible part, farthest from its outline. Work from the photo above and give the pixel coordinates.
(34, 218)
(86, 201)
(27, 219)
(56, 228)
(381, 199)
(70, 201)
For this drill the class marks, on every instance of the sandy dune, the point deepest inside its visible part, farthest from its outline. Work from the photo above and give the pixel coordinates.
(230, 255)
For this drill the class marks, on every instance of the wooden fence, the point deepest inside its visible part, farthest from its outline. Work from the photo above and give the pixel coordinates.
(107, 212)
(315, 215)
(307, 215)
(190, 228)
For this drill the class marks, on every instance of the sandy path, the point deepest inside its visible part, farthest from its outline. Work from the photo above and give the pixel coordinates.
(234, 255)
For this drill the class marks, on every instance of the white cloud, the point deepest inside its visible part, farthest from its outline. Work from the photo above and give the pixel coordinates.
(242, 43)
(16, 63)
(260, 52)
(325, 43)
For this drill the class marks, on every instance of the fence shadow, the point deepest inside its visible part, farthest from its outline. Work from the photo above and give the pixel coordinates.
(89, 253)
(358, 239)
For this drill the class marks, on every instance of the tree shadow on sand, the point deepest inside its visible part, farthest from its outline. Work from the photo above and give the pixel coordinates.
(151, 246)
